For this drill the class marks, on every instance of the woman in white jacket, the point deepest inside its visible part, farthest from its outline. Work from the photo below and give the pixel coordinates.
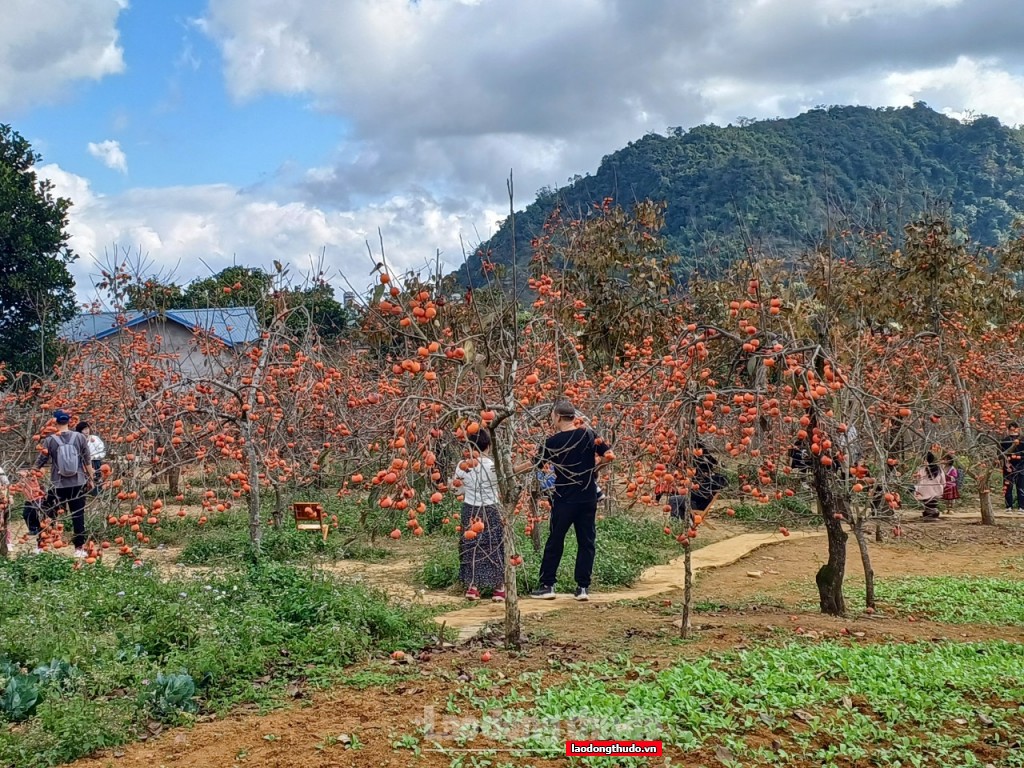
(97, 452)
(482, 546)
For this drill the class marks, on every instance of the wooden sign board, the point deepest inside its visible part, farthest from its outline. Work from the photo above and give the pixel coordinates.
(310, 517)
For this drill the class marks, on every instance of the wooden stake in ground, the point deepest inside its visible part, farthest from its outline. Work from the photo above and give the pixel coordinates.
(684, 626)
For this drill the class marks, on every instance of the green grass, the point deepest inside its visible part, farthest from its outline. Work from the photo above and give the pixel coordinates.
(955, 599)
(224, 540)
(626, 546)
(824, 704)
(243, 637)
(790, 511)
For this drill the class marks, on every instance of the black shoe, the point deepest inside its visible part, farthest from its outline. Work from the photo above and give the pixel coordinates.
(543, 593)
(581, 594)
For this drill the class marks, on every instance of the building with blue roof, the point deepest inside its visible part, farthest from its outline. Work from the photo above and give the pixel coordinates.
(175, 332)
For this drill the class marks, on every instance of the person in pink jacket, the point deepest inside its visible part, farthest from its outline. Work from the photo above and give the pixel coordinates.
(929, 485)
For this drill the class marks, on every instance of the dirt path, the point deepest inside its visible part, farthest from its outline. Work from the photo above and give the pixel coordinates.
(394, 578)
(653, 581)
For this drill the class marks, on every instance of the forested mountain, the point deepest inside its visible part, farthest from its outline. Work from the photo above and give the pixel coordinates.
(779, 183)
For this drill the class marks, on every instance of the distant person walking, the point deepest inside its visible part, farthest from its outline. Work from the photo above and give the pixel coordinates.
(707, 479)
(67, 453)
(929, 485)
(481, 552)
(1011, 454)
(97, 453)
(573, 452)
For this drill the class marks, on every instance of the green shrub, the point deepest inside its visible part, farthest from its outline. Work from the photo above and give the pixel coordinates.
(229, 544)
(97, 638)
(791, 510)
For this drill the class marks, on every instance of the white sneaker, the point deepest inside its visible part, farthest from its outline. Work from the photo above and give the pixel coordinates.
(81, 553)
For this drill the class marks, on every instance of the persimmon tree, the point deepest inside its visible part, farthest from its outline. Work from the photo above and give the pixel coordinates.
(857, 337)
(960, 304)
(242, 422)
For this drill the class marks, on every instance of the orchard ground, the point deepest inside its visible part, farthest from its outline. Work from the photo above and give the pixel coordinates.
(765, 679)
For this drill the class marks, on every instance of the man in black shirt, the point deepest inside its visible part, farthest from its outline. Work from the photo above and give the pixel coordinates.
(572, 452)
(1011, 453)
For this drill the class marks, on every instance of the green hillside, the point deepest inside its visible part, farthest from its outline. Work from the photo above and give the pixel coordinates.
(777, 183)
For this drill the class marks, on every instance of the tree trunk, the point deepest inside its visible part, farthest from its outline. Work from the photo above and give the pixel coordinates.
(988, 516)
(255, 514)
(830, 576)
(502, 452)
(252, 455)
(5, 525)
(535, 529)
(173, 479)
(983, 477)
(865, 559)
(513, 619)
(684, 624)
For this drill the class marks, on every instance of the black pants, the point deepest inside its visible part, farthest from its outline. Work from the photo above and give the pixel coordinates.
(678, 506)
(931, 508)
(1014, 480)
(73, 499)
(97, 476)
(582, 517)
(34, 516)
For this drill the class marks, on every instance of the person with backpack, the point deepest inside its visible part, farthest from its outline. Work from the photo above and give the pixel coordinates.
(573, 452)
(67, 453)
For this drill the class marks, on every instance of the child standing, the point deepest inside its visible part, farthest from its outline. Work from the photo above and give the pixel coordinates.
(482, 547)
(951, 491)
(37, 508)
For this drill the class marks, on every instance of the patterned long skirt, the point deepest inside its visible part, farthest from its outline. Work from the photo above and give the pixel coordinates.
(482, 560)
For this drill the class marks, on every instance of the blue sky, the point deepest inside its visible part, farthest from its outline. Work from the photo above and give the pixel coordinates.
(194, 134)
(172, 116)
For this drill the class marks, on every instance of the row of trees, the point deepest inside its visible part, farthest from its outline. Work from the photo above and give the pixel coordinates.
(907, 348)
(908, 341)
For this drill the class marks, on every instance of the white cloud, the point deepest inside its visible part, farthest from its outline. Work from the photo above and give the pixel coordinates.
(449, 94)
(47, 46)
(965, 87)
(196, 230)
(440, 98)
(109, 153)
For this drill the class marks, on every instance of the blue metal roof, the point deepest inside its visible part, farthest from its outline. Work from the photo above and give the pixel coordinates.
(231, 325)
